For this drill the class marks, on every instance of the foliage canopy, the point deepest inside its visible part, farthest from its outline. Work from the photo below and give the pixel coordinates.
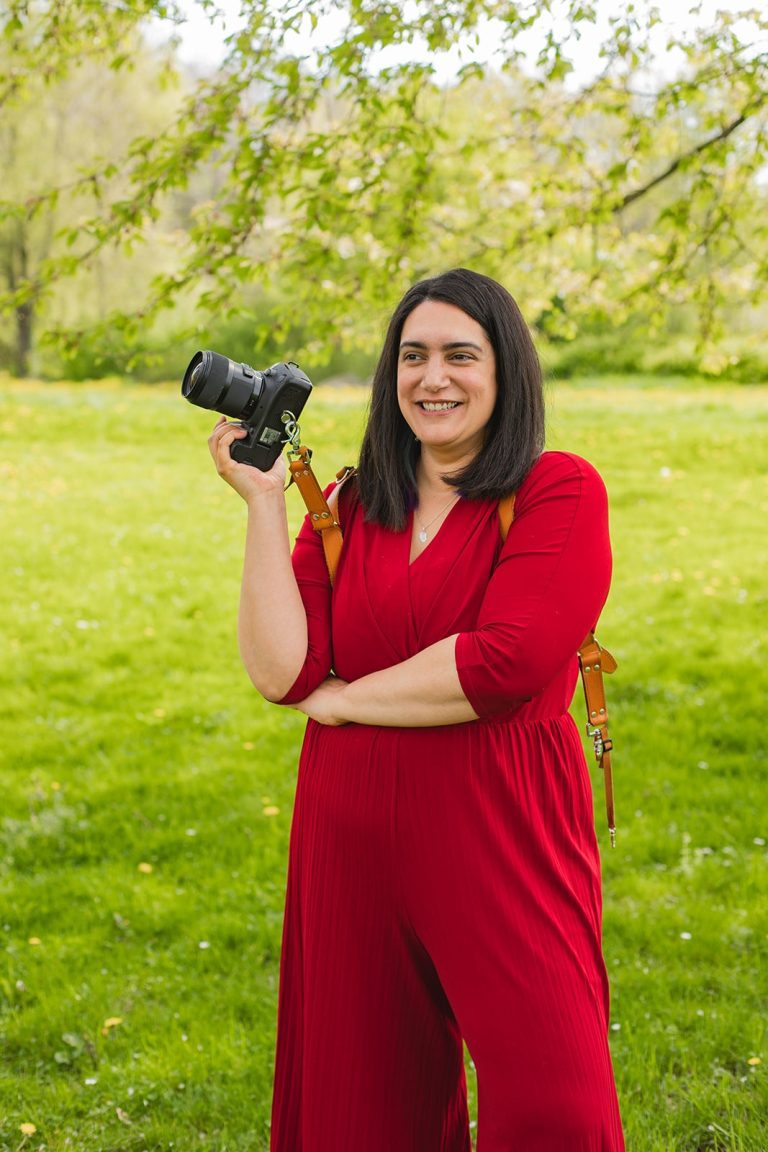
(342, 170)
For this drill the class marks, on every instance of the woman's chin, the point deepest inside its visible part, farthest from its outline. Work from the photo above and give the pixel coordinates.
(452, 447)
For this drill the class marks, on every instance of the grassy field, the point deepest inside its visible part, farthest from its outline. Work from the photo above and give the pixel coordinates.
(147, 791)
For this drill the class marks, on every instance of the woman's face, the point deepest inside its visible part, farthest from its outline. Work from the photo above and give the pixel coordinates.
(446, 378)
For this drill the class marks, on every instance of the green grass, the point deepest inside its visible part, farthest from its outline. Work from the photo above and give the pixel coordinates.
(131, 737)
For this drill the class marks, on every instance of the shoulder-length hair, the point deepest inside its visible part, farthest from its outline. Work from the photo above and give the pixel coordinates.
(515, 433)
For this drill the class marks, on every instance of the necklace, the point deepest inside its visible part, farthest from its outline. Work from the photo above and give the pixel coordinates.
(423, 536)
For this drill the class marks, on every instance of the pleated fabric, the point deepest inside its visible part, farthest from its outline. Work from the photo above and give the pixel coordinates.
(444, 883)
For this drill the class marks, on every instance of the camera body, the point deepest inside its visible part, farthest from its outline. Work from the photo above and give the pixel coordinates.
(264, 402)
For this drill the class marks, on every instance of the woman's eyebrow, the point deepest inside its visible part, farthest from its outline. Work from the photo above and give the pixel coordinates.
(450, 347)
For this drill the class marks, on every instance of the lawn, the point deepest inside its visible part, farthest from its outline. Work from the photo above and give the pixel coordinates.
(147, 790)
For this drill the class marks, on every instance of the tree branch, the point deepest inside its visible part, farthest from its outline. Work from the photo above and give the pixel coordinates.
(723, 134)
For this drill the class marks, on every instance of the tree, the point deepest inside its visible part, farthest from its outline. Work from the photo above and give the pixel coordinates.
(348, 171)
(55, 139)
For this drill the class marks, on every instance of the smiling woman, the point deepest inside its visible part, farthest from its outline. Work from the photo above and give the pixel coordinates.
(446, 382)
(444, 879)
(446, 390)
(458, 338)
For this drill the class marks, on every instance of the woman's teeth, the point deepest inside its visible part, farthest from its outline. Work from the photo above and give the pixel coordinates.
(443, 406)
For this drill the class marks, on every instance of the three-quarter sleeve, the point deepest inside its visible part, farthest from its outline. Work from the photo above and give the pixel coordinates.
(546, 591)
(309, 568)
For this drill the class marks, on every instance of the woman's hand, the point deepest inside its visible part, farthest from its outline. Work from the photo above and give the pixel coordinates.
(323, 705)
(246, 480)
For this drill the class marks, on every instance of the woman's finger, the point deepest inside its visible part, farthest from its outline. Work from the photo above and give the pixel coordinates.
(223, 435)
(243, 478)
(221, 428)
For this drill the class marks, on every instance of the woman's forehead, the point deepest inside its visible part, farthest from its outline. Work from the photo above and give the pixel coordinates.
(435, 322)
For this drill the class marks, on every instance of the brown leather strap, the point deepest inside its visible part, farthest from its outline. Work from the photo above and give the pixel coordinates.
(333, 550)
(321, 517)
(333, 544)
(323, 514)
(506, 512)
(593, 662)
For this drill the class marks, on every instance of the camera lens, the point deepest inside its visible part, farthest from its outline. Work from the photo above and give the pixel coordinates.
(215, 381)
(204, 378)
(198, 372)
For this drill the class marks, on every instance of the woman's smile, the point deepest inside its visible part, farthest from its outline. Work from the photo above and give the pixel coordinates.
(437, 406)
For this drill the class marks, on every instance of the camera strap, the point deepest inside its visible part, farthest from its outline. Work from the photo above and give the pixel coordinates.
(322, 518)
(593, 662)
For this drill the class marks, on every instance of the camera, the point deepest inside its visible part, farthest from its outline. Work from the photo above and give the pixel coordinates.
(265, 402)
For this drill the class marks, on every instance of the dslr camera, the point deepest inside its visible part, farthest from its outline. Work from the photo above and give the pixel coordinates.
(267, 403)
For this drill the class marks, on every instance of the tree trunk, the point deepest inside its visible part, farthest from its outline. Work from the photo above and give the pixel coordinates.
(24, 317)
(24, 313)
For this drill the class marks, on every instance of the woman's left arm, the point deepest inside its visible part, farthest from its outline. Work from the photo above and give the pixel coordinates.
(544, 596)
(421, 692)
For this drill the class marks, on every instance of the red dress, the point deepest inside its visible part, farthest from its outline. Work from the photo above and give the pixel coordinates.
(444, 883)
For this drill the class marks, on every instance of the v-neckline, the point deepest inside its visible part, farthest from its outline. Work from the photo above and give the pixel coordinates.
(431, 543)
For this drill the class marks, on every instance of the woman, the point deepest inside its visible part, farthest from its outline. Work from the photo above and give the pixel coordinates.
(443, 876)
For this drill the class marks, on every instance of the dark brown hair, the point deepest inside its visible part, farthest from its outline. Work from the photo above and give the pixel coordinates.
(515, 436)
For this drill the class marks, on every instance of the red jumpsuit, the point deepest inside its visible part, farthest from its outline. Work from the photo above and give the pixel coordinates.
(444, 883)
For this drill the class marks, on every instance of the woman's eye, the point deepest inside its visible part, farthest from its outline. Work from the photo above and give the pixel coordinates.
(416, 357)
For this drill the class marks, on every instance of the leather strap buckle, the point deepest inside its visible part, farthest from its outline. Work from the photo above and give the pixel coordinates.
(601, 740)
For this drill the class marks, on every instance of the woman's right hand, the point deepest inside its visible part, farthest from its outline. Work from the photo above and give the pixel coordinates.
(247, 481)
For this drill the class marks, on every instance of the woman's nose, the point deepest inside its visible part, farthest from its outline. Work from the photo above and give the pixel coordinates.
(435, 375)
